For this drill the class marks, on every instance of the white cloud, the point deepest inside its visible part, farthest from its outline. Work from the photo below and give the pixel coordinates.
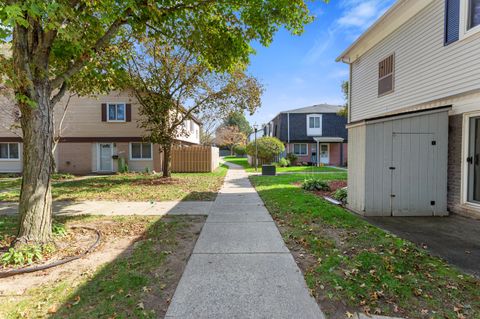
(361, 14)
(355, 17)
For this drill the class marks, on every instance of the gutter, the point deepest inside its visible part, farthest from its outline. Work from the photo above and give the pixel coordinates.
(288, 132)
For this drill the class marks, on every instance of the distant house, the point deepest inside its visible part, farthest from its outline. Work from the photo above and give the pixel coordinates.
(98, 134)
(315, 134)
(414, 111)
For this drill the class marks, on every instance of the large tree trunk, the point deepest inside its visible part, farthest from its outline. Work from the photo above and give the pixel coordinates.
(167, 160)
(35, 207)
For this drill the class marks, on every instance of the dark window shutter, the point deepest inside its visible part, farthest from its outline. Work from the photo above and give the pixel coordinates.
(104, 112)
(452, 21)
(129, 113)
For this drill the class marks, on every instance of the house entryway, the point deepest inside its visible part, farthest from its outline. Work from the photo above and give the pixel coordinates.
(324, 154)
(105, 160)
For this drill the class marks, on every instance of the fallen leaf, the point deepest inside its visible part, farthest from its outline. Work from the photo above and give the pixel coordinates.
(349, 314)
(52, 309)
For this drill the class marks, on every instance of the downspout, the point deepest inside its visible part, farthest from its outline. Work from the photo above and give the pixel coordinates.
(288, 132)
(349, 100)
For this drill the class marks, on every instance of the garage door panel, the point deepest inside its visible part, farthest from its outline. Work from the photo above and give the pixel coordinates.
(413, 177)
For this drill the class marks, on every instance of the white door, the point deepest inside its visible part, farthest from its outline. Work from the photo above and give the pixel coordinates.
(324, 154)
(105, 161)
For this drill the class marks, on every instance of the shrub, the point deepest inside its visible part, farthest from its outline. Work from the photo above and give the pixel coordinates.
(341, 195)
(268, 148)
(240, 150)
(19, 257)
(58, 229)
(292, 158)
(315, 185)
(283, 162)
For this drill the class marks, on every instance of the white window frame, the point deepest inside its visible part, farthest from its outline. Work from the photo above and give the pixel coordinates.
(317, 131)
(464, 168)
(116, 112)
(140, 159)
(464, 17)
(15, 159)
(301, 154)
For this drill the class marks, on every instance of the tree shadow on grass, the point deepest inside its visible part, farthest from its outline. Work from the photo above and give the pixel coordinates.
(138, 283)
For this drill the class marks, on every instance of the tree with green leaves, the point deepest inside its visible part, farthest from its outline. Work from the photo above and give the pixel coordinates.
(266, 148)
(238, 119)
(344, 111)
(62, 45)
(172, 85)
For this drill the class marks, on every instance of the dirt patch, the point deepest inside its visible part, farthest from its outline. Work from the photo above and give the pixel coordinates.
(159, 181)
(120, 239)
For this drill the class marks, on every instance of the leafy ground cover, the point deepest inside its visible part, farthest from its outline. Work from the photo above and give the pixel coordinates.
(138, 282)
(242, 161)
(351, 265)
(8, 181)
(136, 187)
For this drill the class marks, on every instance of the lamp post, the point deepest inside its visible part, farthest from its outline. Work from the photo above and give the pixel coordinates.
(255, 128)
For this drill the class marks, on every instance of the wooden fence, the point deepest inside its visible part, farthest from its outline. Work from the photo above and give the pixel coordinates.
(195, 159)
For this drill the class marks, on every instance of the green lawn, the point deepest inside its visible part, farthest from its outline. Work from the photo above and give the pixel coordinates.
(8, 183)
(137, 284)
(347, 260)
(136, 187)
(292, 169)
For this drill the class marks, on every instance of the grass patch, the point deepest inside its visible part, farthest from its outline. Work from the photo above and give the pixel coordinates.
(345, 260)
(138, 284)
(292, 169)
(136, 187)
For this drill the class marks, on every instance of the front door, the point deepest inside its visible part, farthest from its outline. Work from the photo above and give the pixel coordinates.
(473, 161)
(105, 157)
(324, 154)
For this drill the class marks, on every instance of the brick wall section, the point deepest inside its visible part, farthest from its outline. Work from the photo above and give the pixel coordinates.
(454, 162)
(75, 158)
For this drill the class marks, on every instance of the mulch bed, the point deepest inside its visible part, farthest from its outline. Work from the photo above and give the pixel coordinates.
(159, 181)
(334, 186)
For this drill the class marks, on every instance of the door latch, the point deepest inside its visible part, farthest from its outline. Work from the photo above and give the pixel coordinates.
(470, 160)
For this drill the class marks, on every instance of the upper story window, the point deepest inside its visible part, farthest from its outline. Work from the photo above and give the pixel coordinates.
(9, 151)
(314, 125)
(386, 70)
(140, 151)
(473, 14)
(116, 112)
(314, 122)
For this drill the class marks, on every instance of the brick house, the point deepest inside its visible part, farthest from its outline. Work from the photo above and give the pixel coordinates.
(98, 134)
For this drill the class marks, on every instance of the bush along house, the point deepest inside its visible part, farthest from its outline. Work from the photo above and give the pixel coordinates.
(414, 111)
(316, 134)
(97, 134)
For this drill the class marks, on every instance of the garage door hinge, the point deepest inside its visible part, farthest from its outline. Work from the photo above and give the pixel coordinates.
(434, 142)
(391, 168)
(392, 195)
(432, 203)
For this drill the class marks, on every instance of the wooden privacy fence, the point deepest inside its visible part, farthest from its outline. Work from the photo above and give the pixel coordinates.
(195, 159)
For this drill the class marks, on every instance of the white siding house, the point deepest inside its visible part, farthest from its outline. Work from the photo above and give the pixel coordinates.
(419, 62)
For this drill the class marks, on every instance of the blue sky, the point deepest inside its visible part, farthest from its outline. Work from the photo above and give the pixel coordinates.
(299, 71)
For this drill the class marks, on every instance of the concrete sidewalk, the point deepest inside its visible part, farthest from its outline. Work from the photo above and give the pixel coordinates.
(240, 266)
(110, 208)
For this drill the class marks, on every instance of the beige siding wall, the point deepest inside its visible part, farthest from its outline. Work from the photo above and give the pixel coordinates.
(84, 118)
(425, 69)
(356, 168)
